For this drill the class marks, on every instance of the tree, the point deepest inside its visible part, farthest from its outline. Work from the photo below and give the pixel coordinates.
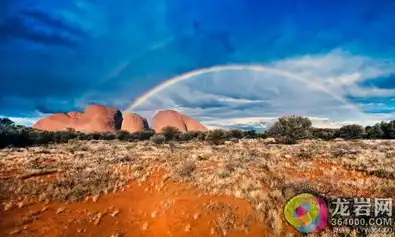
(188, 136)
(324, 133)
(374, 132)
(124, 136)
(291, 128)
(144, 135)
(388, 129)
(171, 133)
(6, 122)
(250, 134)
(215, 136)
(352, 131)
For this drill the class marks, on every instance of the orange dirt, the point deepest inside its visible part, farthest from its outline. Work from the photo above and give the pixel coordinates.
(139, 210)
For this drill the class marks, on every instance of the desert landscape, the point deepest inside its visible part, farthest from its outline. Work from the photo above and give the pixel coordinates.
(197, 118)
(157, 187)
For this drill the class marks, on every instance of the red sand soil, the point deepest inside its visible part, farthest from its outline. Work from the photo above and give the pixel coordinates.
(139, 210)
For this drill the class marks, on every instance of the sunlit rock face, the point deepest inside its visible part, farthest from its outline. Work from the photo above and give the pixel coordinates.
(171, 118)
(96, 118)
(133, 122)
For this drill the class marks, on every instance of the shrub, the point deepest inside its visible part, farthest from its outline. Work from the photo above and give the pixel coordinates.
(189, 136)
(235, 134)
(171, 133)
(6, 122)
(215, 136)
(41, 137)
(19, 137)
(286, 140)
(352, 131)
(158, 138)
(97, 136)
(388, 129)
(373, 132)
(289, 129)
(324, 133)
(107, 136)
(186, 169)
(144, 135)
(63, 136)
(85, 136)
(250, 134)
(124, 136)
(262, 135)
(201, 136)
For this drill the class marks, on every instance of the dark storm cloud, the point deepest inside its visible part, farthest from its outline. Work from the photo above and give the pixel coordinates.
(159, 44)
(61, 107)
(45, 18)
(16, 27)
(45, 110)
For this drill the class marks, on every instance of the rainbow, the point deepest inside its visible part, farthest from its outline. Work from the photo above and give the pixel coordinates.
(257, 68)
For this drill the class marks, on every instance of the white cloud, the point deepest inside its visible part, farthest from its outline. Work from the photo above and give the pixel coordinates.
(265, 122)
(232, 98)
(341, 72)
(29, 122)
(248, 98)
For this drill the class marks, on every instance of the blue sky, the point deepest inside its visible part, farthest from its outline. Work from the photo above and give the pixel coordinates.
(58, 56)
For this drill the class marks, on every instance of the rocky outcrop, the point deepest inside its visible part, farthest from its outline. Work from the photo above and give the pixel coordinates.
(96, 118)
(55, 122)
(133, 123)
(171, 118)
(102, 119)
(193, 125)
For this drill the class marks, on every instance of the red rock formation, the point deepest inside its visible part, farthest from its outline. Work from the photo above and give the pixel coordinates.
(173, 118)
(193, 125)
(96, 118)
(133, 123)
(75, 114)
(55, 122)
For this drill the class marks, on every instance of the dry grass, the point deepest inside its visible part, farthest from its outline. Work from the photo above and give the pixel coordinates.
(265, 174)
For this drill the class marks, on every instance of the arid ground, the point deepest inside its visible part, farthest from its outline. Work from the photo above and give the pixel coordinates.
(112, 188)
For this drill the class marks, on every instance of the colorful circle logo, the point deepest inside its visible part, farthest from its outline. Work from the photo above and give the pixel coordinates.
(307, 213)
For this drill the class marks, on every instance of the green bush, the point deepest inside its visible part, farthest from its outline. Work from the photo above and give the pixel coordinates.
(124, 136)
(352, 131)
(286, 140)
(291, 129)
(250, 134)
(6, 122)
(215, 136)
(107, 136)
(158, 139)
(201, 136)
(234, 134)
(287, 130)
(388, 129)
(373, 132)
(144, 135)
(19, 137)
(171, 133)
(189, 136)
(324, 133)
